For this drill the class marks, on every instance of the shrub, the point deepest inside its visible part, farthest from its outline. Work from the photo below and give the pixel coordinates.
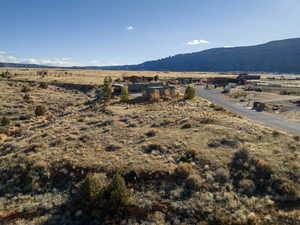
(119, 194)
(25, 89)
(40, 110)
(186, 125)
(247, 186)
(154, 96)
(92, 189)
(194, 182)
(151, 133)
(217, 108)
(113, 147)
(207, 118)
(296, 138)
(255, 176)
(189, 93)
(43, 85)
(286, 188)
(222, 175)
(223, 142)
(275, 133)
(167, 93)
(107, 89)
(27, 98)
(183, 170)
(5, 121)
(124, 94)
(153, 147)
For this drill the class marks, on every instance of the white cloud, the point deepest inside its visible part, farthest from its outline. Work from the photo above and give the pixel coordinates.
(197, 42)
(49, 62)
(130, 27)
(2, 52)
(228, 46)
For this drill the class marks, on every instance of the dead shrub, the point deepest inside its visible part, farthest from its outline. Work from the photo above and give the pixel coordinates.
(237, 94)
(275, 133)
(296, 138)
(25, 89)
(217, 108)
(154, 96)
(5, 121)
(207, 118)
(194, 182)
(151, 133)
(153, 147)
(27, 98)
(215, 143)
(186, 126)
(113, 147)
(40, 110)
(183, 170)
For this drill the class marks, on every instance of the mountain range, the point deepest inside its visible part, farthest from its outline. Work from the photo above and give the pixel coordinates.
(281, 56)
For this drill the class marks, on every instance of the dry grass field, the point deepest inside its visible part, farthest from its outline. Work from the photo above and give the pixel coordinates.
(183, 161)
(93, 77)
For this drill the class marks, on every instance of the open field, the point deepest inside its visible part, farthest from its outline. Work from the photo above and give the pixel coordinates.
(94, 77)
(184, 161)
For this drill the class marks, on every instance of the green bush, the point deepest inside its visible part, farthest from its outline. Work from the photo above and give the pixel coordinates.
(189, 93)
(92, 189)
(43, 85)
(5, 121)
(107, 89)
(119, 194)
(40, 110)
(124, 94)
(247, 186)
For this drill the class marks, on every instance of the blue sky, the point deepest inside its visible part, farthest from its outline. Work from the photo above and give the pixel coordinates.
(111, 32)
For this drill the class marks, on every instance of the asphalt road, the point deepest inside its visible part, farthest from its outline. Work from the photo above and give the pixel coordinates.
(265, 118)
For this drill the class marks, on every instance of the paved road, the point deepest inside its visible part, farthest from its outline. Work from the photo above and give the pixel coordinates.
(265, 118)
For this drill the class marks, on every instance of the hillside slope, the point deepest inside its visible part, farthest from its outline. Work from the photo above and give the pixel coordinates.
(275, 56)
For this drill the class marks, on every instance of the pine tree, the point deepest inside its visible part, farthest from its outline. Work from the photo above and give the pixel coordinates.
(107, 89)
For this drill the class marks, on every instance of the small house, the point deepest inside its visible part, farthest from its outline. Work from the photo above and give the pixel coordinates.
(188, 80)
(163, 90)
(134, 87)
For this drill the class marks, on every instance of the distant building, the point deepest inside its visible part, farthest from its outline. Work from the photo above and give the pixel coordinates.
(188, 80)
(164, 91)
(42, 73)
(242, 78)
(134, 87)
(139, 79)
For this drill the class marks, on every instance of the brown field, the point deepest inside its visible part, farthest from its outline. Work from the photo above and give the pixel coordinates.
(183, 161)
(94, 77)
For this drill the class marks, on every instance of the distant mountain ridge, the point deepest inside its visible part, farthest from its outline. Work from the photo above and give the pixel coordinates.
(281, 56)
(276, 56)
